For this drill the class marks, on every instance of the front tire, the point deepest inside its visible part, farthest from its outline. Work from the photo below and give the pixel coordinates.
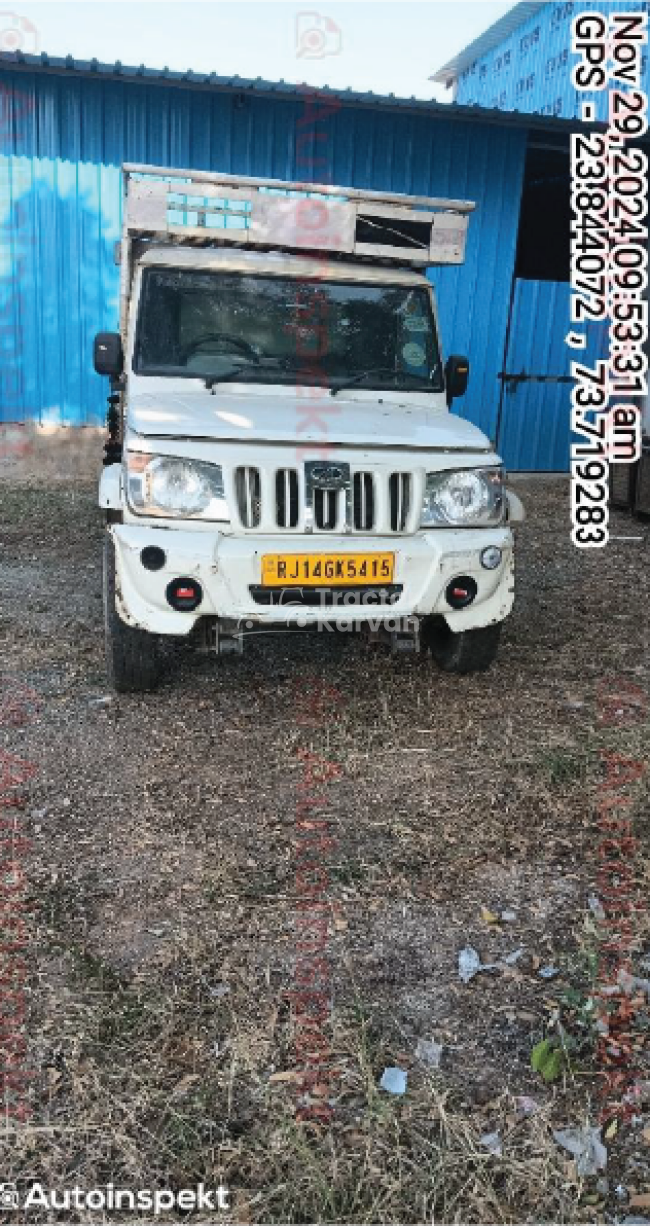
(132, 656)
(468, 651)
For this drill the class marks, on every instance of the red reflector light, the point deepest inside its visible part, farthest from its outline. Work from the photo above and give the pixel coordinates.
(184, 595)
(461, 591)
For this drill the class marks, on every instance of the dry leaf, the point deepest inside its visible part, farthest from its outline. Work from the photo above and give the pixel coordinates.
(646, 1135)
(244, 1212)
(340, 925)
(488, 916)
(611, 1130)
(642, 1201)
(184, 1085)
(288, 1075)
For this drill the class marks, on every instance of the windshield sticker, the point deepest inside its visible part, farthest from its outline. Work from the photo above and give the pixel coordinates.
(414, 355)
(415, 323)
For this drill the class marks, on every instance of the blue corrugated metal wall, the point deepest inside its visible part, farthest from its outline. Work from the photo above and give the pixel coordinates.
(534, 431)
(531, 69)
(60, 214)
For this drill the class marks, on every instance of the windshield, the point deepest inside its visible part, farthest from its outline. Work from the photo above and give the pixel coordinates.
(218, 326)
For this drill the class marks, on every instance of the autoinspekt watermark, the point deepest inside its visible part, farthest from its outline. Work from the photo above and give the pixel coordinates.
(108, 1198)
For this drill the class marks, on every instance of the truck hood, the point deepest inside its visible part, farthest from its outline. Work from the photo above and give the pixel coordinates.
(285, 418)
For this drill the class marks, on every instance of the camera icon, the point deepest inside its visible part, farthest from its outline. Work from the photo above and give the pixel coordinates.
(9, 1198)
(317, 36)
(18, 34)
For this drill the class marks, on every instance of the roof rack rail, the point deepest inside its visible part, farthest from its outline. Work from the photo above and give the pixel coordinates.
(206, 208)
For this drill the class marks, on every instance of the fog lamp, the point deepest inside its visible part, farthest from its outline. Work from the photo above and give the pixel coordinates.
(491, 557)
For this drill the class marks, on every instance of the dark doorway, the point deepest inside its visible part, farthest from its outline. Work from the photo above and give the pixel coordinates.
(534, 405)
(545, 219)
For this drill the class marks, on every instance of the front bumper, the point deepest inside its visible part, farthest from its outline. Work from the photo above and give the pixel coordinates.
(229, 571)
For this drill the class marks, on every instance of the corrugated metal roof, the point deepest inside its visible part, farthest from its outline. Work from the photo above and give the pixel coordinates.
(490, 38)
(70, 67)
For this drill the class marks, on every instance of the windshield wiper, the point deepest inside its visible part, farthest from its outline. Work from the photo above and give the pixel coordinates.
(378, 370)
(225, 377)
(236, 371)
(287, 365)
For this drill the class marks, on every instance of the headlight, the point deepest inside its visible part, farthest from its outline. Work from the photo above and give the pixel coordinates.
(466, 498)
(166, 486)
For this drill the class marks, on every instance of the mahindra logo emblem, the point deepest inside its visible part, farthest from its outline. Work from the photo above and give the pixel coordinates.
(329, 476)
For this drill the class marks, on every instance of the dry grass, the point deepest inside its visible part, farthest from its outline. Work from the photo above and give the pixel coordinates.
(138, 1104)
(164, 867)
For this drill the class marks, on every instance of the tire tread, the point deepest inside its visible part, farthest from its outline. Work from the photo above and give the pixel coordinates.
(469, 651)
(132, 655)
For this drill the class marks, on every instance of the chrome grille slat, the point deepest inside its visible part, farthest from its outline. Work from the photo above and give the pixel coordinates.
(363, 502)
(287, 506)
(248, 492)
(326, 510)
(400, 500)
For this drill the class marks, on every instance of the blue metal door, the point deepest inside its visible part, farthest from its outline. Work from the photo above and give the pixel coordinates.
(534, 421)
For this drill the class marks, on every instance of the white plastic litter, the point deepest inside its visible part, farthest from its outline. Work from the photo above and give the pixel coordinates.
(469, 963)
(596, 908)
(492, 1141)
(220, 989)
(586, 1146)
(526, 1105)
(631, 984)
(393, 1081)
(429, 1052)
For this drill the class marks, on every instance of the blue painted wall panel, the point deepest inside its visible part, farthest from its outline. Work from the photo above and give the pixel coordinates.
(534, 431)
(60, 206)
(531, 69)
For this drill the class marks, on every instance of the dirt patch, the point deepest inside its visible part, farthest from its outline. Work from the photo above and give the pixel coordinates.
(164, 881)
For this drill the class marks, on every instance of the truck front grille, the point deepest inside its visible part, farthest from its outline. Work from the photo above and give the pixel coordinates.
(285, 499)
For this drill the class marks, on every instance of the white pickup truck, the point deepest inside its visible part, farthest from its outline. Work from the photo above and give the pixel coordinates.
(281, 452)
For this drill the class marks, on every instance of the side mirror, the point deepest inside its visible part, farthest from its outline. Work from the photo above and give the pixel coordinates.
(108, 355)
(456, 376)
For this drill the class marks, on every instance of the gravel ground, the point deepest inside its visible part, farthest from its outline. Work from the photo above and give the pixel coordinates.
(163, 880)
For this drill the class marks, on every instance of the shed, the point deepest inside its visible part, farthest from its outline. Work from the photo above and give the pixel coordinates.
(67, 126)
(523, 61)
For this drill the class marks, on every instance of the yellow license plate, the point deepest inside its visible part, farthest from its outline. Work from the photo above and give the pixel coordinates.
(327, 569)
